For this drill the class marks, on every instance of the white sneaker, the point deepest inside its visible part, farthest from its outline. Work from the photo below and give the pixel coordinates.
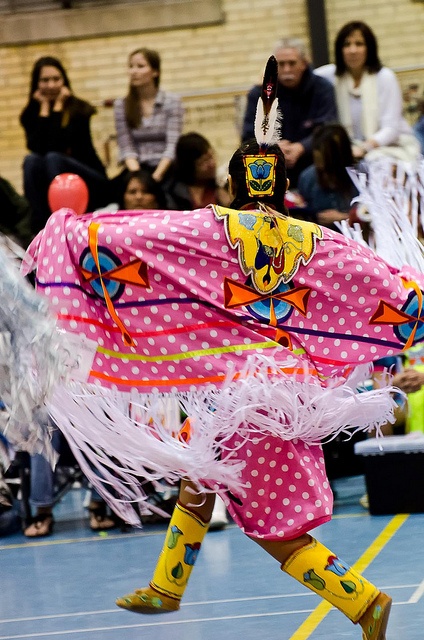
(219, 515)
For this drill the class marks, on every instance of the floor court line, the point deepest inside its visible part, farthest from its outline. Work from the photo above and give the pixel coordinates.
(282, 596)
(417, 595)
(416, 589)
(317, 616)
(153, 624)
(183, 604)
(162, 623)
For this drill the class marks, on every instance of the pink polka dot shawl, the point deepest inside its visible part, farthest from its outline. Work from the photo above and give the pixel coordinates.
(253, 324)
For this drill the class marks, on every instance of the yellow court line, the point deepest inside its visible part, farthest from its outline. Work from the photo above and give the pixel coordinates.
(317, 616)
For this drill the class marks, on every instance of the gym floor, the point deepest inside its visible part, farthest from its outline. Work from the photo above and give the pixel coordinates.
(63, 587)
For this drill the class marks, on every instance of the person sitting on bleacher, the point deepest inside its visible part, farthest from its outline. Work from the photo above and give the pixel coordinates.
(42, 497)
(369, 99)
(57, 130)
(148, 120)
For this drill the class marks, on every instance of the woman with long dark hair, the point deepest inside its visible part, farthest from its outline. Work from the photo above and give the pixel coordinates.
(148, 120)
(369, 99)
(57, 130)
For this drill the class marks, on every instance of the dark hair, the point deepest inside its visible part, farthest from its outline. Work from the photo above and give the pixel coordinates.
(332, 143)
(372, 62)
(146, 180)
(190, 147)
(237, 172)
(132, 102)
(73, 104)
(46, 61)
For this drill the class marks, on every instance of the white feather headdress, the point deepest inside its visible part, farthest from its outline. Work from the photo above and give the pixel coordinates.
(268, 117)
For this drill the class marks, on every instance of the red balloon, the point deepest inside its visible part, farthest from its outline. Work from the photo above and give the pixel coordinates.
(70, 191)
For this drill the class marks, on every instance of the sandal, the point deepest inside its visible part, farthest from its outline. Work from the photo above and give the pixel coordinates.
(41, 525)
(99, 520)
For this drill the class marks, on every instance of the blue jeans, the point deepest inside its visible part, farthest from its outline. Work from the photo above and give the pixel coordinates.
(40, 170)
(42, 478)
(419, 132)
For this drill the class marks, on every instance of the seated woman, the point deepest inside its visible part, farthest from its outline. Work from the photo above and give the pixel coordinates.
(369, 99)
(326, 185)
(148, 121)
(194, 182)
(57, 130)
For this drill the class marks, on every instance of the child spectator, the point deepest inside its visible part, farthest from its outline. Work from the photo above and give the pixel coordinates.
(326, 185)
(138, 190)
(193, 183)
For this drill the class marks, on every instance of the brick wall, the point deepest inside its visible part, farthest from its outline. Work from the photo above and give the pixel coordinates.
(194, 60)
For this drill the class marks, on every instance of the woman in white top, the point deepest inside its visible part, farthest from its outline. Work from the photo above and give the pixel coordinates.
(369, 99)
(148, 121)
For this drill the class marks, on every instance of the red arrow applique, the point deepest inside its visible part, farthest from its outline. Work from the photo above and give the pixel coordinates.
(240, 295)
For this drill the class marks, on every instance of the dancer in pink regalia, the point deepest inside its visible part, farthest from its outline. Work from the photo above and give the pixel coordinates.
(255, 324)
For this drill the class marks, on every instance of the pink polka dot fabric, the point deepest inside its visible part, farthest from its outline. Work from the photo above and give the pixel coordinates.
(176, 309)
(286, 489)
(182, 333)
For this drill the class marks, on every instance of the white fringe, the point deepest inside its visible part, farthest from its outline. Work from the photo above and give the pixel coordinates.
(115, 450)
(393, 195)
